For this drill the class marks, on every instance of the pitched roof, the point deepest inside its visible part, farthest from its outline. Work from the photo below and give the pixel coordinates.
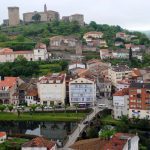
(39, 142)
(123, 92)
(89, 144)
(8, 82)
(136, 72)
(118, 141)
(2, 134)
(32, 92)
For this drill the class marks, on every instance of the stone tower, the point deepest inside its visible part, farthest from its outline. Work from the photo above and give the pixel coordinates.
(79, 48)
(45, 8)
(13, 15)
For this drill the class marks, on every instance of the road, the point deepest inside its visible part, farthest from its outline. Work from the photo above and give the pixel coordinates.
(73, 137)
(105, 101)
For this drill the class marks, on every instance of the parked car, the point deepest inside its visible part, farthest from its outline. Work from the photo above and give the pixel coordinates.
(47, 107)
(86, 122)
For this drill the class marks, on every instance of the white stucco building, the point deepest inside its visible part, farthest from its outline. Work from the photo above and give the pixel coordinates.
(39, 53)
(118, 73)
(52, 89)
(120, 103)
(82, 91)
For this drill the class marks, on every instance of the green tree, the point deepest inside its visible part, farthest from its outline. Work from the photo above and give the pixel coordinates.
(106, 133)
(42, 107)
(20, 38)
(33, 107)
(92, 132)
(36, 17)
(2, 108)
(130, 54)
(10, 107)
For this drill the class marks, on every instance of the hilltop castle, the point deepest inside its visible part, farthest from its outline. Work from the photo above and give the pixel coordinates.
(45, 16)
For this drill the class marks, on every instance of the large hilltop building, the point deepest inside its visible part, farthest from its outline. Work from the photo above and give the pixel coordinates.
(13, 14)
(75, 17)
(46, 15)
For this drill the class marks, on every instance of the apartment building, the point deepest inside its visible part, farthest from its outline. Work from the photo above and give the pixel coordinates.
(139, 100)
(118, 73)
(82, 91)
(120, 103)
(8, 87)
(52, 89)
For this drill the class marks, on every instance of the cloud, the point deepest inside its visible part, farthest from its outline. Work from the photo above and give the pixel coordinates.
(126, 13)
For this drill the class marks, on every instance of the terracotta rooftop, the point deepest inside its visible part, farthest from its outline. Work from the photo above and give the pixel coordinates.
(2, 134)
(89, 144)
(120, 68)
(32, 92)
(41, 45)
(136, 72)
(39, 142)
(94, 32)
(53, 78)
(123, 92)
(124, 81)
(118, 141)
(8, 82)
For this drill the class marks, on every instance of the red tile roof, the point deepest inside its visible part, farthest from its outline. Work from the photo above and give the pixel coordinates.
(123, 92)
(2, 134)
(8, 82)
(6, 51)
(39, 142)
(118, 141)
(32, 92)
(136, 72)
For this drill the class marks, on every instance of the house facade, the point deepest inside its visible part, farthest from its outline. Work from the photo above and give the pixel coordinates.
(39, 53)
(52, 89)
(139, 100)
(63, 43)
(8, 86)
(82, 90)
(120, 103)
(118, 73)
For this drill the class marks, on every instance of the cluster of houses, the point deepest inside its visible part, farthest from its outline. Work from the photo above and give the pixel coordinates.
(119, 141)
(39, 53)
(83, 84)
(94, 41)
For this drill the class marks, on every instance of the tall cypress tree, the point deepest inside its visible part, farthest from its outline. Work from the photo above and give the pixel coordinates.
(130, 54)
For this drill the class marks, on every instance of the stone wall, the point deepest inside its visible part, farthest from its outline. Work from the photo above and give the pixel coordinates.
(13, 13)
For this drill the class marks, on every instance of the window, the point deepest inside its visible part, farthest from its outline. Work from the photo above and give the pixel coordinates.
(138, 95)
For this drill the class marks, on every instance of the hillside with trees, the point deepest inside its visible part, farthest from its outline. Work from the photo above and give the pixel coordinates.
(26, 36)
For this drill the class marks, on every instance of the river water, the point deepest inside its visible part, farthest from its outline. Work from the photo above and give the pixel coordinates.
(57, 131)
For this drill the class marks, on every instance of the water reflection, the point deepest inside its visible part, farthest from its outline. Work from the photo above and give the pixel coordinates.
(51, 130)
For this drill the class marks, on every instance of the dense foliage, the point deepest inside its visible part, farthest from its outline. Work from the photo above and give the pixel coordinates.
(22, 67)
(42, 31)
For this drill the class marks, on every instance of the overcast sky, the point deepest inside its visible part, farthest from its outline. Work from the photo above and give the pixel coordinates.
(129, 14)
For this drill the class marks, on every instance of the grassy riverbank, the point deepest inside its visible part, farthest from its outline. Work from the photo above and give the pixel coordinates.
(5, 116)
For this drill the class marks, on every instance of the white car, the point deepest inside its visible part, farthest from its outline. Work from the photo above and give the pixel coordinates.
(102, 106)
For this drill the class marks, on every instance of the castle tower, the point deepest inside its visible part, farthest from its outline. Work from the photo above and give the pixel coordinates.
(13, 15)
(79, 48)
(45, 8)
